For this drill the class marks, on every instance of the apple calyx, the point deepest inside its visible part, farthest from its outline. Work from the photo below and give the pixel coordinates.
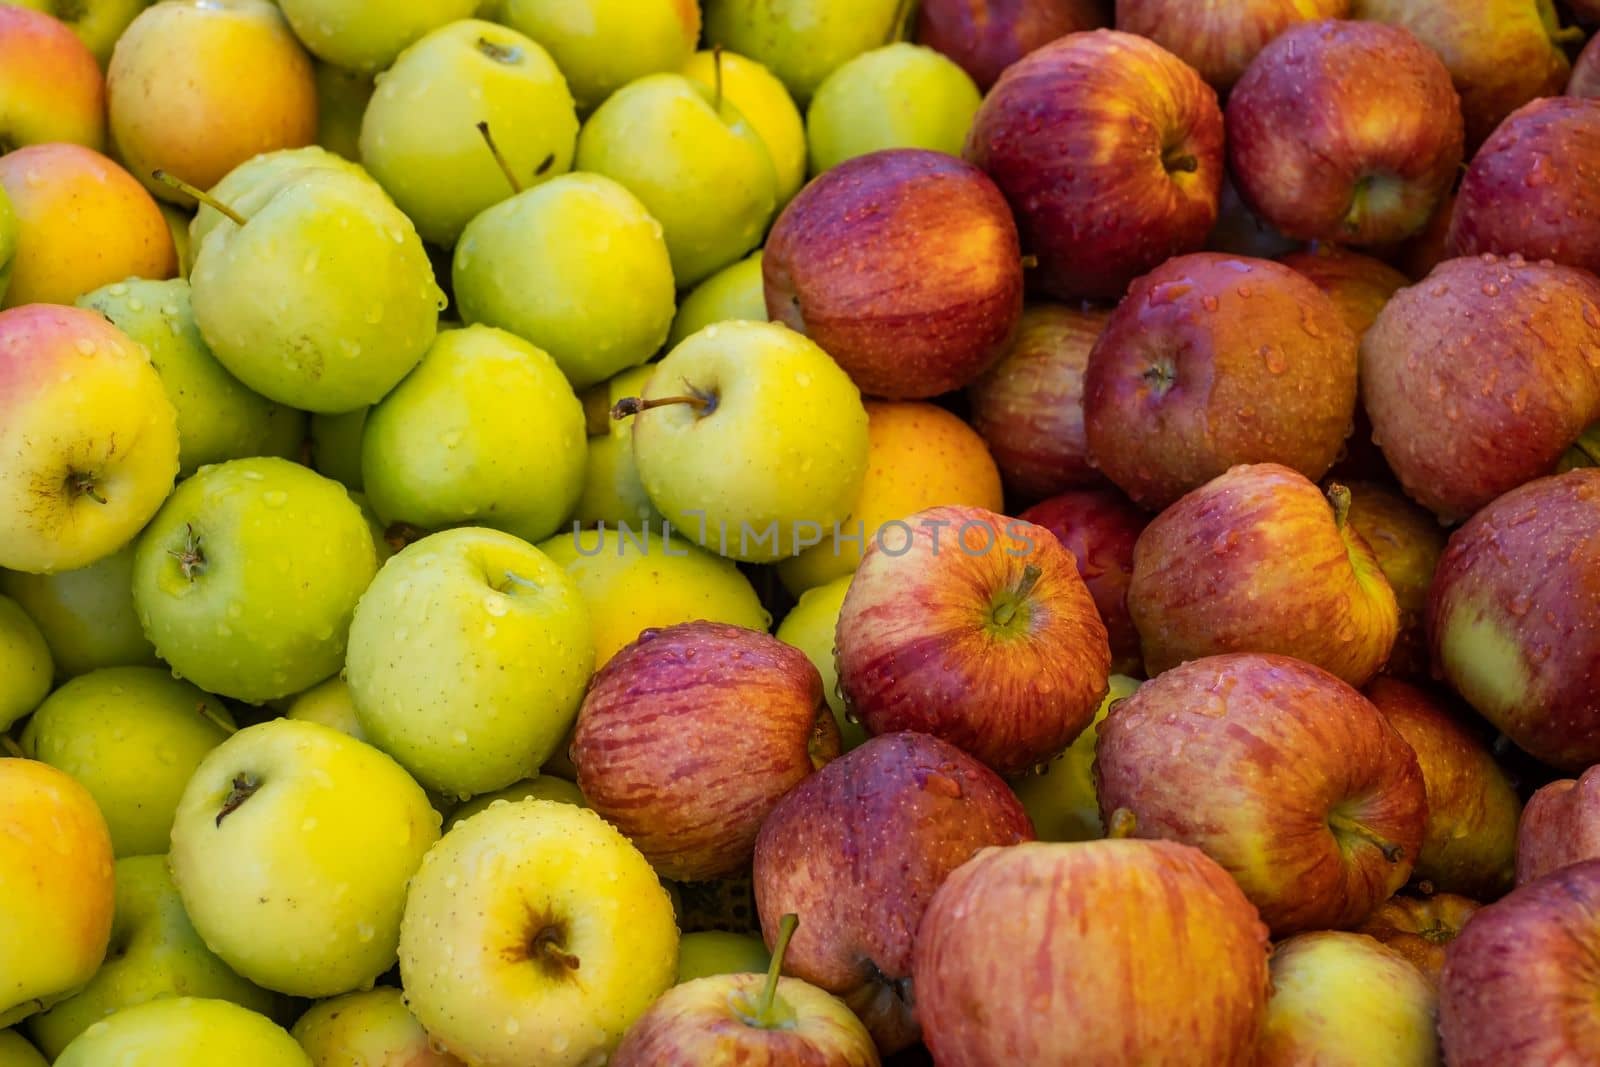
(1161, 376)
(1006, 611)
(703, 403)
(1178, 161)
(1339, 501)
(243, 787)
(191, 559)
(509, 54)
(1122, 824)
(81, 483)
(198, 194)
(768, 1012)
(546, 946)
(1344, 826)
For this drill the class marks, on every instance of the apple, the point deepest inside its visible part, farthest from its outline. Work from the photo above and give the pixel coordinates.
(1259, 560)
(371, 1027)
(342, 98)
(1560, 826)
(51, 88)
(1221, 40)
(748, 724)
(82, 222)
(55, 861)
(1420, 928)
(1214, 361)
(98, 23)
(468, 658)
(733, 293)
(154, 952)
(1585, 80)
(1029, 406)
(612, 493)
(91, 438)
(1339, 997)
(1061, 801)
(1518, 983)
(16, 1052)
(575, 266)
(809, 626)
(694, 161)
(898, 96)
(367, 35)
(1359, 286)
(603, 45)
(857, 851)
(86, 616)
(752, 437)
(8, 241)
(1305, 793)
(984, 636)
(176, 100)
(534, 933)
(433, 160)
(712, 952)
(1109, 149)
(903, 265)
(184, 1032)
(766, 104)
(265, 171)
(25, 664)
(1100, 527)
(803, 41)
(987, 36)
(544, 787)
(1407, 542)
(335, 444)
(918, 456)
(1122, 904)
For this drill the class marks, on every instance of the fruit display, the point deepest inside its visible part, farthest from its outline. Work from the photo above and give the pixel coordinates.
(801, 533)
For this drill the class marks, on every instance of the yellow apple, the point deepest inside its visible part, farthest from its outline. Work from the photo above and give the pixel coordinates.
(544, 787)
(184, 1032)
(25, 667)
(1062, 802)
(369, 1029)
(16, 1052)
(809, 627)
(766, 105)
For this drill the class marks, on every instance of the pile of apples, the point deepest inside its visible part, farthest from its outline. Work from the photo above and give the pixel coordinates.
(1167, 433)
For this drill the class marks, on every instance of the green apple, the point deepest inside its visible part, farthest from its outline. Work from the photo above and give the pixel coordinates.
(342, 97)
(246, 580)
(323, 299)
(336, 446)
(898, 96)
(486, 430)
(1062, 802)
(367, 35)
(16, 1052)
(575, 266)
(612, 493)
(178, 223)
(432, 158)
(368, 1029)
(709, 952)
(98, 23)
(132, 736)
(751, 440)
(605, 44)
(544, 787)
(218, 418)
(184, 1032)
(263, 171)
(25, 665)
(154, 953)
(734, 293)
(803, 41)
(468, 658)
(696, 163)
(810, 626)
(535, 933)
(763, 100)
(292, 848)
(86, 616)
(8, 240)
(328, 703)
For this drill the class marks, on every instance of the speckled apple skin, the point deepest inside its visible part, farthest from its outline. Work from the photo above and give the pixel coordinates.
(1560, 826)
(985, 37)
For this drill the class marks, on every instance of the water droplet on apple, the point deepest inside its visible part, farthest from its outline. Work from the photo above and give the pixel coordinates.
(275, 498)
(86, 347)
(309, 824)
(459, 737)
(1519, 605)
(365, 932)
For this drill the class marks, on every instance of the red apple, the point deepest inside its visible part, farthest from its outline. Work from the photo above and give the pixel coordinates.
(1420, 928)
(858, 849)
(1514, 617)
(1585, 80)
(1520, 983)
(904, 266)
(977, 629)
(1213, 361)
(1480, 377)
(986, 36)
(1109, 149)
(1095, 954)
(1100, 527)
(1219, 39)
(1259, 560)
(1280, 772)
(689, 736)
(1358, 285)
(1029, 406)
(1407, 542)
(1560, 826)
(51, 88)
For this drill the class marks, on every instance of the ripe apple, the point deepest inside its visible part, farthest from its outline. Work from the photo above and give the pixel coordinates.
(51, 88)
(1305, 793)
(433, 160)
(8, 241)
(544, 787)
(1358, 285)
(1221, 39)
(803, 41)
(90, 438)
(25, 666)
(1109, 149)
(1560, 826)
(342, 98)
(1585, 80)
(733, 293)
(55, 861)
(1259, 560)
(1061, 801)
(898, 96)
(184, 1032)
(86, 616)
(367, 35)
(603, 45)
(1519, 983)
(1123, 904)
(987, 36)
(711, 952)
(766, 104)
(748, 724)
(154, 952)
(98, 23)
(1508, 617)
(857, 851)
(612, 493)
(261, 172)
(1420, 928)
(985, 637)
(809, 626)
(16, 1052)
(372, 1027)
(1213, 361)
(534, 933)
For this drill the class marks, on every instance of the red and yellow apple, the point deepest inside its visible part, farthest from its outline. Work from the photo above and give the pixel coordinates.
(1407, 542)
(1219, 38)
(987, 36)
(1420, 928)
(51, 88)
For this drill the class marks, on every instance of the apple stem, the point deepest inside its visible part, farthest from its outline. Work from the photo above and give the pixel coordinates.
(1123, 823)
(1030, 262)
(769, 992)
(716, 73)
(9, 743)
(198, 194)
(1339, 500)
(494, 150)
(633, 405)
(1588, 445)
(1008, 611)
(513, 578)
(83, 485)
(902, 12)
(1391, 851)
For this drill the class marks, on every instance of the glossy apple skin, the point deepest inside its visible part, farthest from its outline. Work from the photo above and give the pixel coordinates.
(1480, 377)
(1029, 406)
(1258, 560)
(904, 266)
(857, 851)
(1219, 38)
(920, 646)
(1420, 928)
(1250, 758)
(1560, 826)
(1212, 361)
(1514, 617)
(689, 736)
(51, 88)
(1079, 135)
(1100, 528)
(986, 36)
(1519, 983)
(1004, 946)
(1358, 285)
(1407, 542)
(1585, 80)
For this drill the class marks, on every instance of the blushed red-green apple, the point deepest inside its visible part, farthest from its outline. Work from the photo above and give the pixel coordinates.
(51, 88)
(184, 1032)
(612, 491)
(544, 787)
(15, 1051)
(86, 616)
(977, 629)
(709, 952)
(371, 1027)
(803, 41)
(1420, 928)
(1220, 38)
(733, 293)
(1060, 800)
(766, 104)
(809, 626)
(1560, 826)
(603, 45)
(25, 665)
(367, 35)
(98, 23)
(898, 96)
(1100, 527)
(987, 36)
